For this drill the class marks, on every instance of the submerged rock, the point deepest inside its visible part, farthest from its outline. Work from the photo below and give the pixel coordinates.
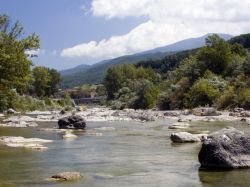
(19, 124)
(20, 118)
(31, 143)
(72, 122)
(227, 148)
(179, 125)
(184, 137)
(69, 135)
(67, 176)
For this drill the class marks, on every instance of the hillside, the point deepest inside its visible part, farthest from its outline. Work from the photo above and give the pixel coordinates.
(243, 39)
(74, 70)
(95, 73)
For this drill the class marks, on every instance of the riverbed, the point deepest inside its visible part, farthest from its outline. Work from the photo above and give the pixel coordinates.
(127, 153)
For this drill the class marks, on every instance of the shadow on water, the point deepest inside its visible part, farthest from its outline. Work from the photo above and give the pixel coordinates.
(237, 177)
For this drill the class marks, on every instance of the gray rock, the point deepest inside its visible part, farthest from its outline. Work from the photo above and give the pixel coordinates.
(67, 176)
(172, 113)
(11, 111)
(226, 149)
(72, 122)
(184, 137)
(206, 111)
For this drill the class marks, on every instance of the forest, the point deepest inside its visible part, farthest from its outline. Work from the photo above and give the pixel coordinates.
(215, 75)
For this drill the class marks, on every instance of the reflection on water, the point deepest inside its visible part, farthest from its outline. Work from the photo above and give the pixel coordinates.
(115, 154)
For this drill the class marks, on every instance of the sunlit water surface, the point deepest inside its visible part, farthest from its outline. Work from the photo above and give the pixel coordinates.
(124, 154)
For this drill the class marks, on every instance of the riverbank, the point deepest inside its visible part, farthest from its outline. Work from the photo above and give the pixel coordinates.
(102, 114)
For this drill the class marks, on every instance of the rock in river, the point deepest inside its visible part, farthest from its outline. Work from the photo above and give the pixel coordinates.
(226, 149)
(67, 176)
(31, 143)
(72, 122)
(184, 137)
(179, 125)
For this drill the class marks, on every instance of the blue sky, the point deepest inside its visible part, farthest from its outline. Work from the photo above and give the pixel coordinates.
(74, 32)
(61, 24)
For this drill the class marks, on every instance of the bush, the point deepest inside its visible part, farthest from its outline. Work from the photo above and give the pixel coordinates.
(227, 99)
(244, 98)
(146, 94)
(202, 93)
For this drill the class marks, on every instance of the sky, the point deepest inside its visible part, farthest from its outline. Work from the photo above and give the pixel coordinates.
(74, 32)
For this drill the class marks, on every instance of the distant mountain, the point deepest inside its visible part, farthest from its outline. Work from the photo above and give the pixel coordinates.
(191, 43)
(243, 39)
(95, 73)
(74, 70)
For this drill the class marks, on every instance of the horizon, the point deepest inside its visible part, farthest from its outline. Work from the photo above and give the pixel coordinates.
(90, 31)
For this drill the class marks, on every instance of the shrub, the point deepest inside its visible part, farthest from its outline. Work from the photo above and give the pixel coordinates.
(227, 99)
(202, 93)
(244, 98)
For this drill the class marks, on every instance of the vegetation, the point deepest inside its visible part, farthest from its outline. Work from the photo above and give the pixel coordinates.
(214, 75)
(17, 79)
(132, 87)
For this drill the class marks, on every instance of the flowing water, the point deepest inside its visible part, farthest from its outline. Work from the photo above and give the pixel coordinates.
(114, 154)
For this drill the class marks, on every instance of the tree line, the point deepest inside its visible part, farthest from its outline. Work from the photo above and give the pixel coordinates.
(214, 75)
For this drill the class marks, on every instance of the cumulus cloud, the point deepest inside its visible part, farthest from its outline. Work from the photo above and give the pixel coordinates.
(35, 52)
(168, 21)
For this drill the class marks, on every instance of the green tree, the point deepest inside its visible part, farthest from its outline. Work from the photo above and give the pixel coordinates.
(202, 93)
(55, 79)
(14, 62)
(41, 80)
(146, 94)
(216, 54)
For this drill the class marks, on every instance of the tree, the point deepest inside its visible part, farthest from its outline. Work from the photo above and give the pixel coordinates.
(55, 79)
(216, 54)
(41, 80)
(146, 94)
(14, 62)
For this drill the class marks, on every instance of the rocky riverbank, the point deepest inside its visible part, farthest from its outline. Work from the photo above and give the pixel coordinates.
(106, 114)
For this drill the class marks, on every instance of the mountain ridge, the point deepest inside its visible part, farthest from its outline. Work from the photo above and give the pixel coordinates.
(96, 72)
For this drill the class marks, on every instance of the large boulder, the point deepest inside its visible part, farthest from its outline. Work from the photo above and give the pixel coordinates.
(72, 122)
(184, 137)
(228, 148)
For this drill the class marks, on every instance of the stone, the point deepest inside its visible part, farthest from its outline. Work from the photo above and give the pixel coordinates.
(20, 118)
(67, 176)
(30, 143)
(72, 122)
(11, 111)
(184, 137)
(172, 113)
(19, 124)
(69, 135)
(228, 148)
(36, 112)
(206, 111)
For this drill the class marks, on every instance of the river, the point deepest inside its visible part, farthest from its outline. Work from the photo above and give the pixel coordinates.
(121, 154)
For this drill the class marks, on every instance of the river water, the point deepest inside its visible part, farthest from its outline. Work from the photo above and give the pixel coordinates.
(115, 154)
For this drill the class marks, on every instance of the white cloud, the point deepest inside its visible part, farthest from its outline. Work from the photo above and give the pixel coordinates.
(168, 21)
(35, 52)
